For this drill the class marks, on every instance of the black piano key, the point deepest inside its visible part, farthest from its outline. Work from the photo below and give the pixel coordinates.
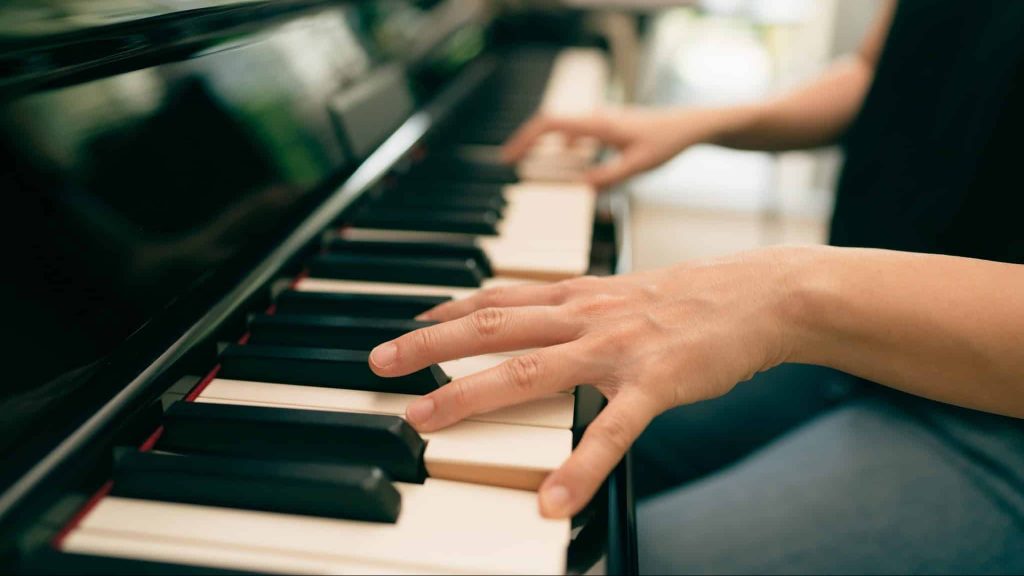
(490, 134)
(365, 305)
(452, 186)
(433, 220)
(451, 167)
(347, 491)
(454, 214)
(443, 201)
(50, 561)
(297, 435)
(327, 368)
(451, 249)
(350, 333)
(405, 270)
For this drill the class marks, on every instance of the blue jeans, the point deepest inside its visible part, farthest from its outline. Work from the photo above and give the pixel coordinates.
(874, 482)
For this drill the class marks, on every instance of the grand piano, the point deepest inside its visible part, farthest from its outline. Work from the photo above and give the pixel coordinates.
(214, 209)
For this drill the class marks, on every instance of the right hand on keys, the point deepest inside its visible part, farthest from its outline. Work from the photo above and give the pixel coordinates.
(644, 138)
(648, 341)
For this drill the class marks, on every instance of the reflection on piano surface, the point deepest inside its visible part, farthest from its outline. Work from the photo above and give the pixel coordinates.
(226, 205)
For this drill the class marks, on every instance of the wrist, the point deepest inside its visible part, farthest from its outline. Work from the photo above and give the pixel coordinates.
(728, 126)
(812, 293)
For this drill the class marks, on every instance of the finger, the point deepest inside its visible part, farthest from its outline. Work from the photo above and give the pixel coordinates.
(500, 297)
(517, 380)
(484, 331)
(572, 127)
(615, 171)
(567, 490)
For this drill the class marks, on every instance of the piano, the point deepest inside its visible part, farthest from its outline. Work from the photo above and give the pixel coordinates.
(215, 209)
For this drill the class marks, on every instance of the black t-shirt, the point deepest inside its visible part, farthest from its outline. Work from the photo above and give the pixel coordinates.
(934, 161)
(934, 165)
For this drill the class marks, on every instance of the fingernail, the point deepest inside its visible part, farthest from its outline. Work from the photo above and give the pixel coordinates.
(384, 354)
(554, 501)
(420, 411)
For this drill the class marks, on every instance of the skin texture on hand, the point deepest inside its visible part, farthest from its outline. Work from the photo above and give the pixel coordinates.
(647, 341)
(941, 327)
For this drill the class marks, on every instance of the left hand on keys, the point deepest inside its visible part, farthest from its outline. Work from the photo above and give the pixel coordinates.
(648, 341)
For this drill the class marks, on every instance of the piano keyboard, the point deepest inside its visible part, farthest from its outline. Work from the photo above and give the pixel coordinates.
(577, 87)
(448, 527)
(543, 233)
(292, 456)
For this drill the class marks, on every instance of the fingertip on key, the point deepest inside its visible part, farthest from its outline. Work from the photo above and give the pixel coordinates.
(420, 411)
(384, 355)
(554, 501)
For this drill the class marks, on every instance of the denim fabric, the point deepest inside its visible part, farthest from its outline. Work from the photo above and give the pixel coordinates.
(870, 486)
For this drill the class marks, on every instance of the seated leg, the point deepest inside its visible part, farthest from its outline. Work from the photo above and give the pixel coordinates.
(864, 488)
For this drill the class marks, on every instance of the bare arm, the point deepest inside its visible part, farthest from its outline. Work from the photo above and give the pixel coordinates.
(813, 115)
(942, 327)
(946, 328)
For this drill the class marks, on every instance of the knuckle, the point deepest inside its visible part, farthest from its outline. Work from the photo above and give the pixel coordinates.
(422, 340)
(459, 396)
(522, 372)
(597, 305)
(489, 321)
(560, 292)
(586, 283)
(641, 324)
(492, 297)
(575, 287)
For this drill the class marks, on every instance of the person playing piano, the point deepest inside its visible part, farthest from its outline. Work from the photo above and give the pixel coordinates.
(921, 292)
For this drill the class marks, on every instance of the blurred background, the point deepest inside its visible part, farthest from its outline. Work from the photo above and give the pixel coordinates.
(710, 200)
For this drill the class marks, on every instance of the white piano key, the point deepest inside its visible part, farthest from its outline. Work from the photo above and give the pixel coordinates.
(496, 454)
(443, 527)
(190, 552)
(577, 86)
(396, 288)
(548, 217)
(525, 221)
(545, 233)
(578, 82)
(351, 233)
(393, 288)
(446, 527)
(509, 455)
(553, 411)
(465, 366)
(537, 265)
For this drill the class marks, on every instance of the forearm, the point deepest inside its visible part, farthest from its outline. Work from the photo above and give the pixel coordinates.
(946, 328)
(815, 114)
(810, 116)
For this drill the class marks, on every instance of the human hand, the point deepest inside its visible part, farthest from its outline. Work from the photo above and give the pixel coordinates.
(647, 341)
(644, 137)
